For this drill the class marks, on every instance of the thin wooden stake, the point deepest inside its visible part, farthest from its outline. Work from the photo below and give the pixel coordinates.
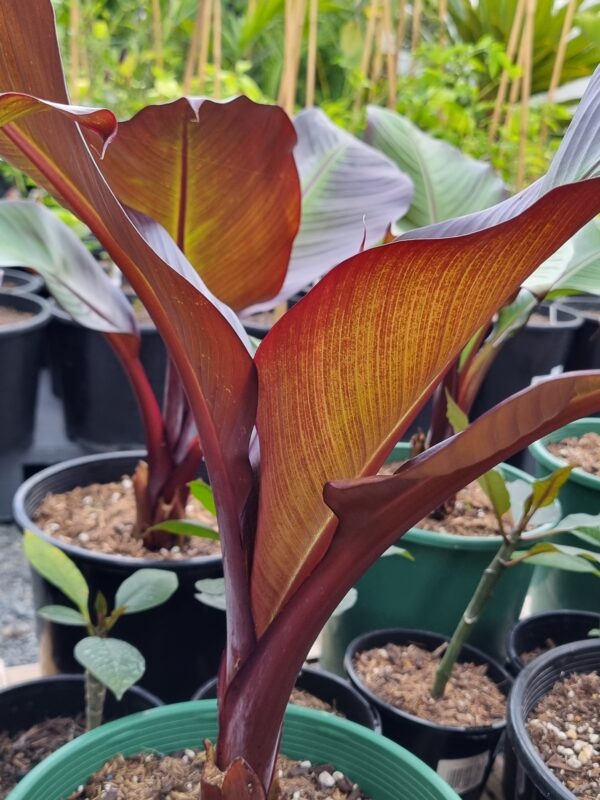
(217, 48)
(526, 91)
(559, 61)
(311, 63)
(74, 25)
(515, 89)
(377, 62)
(416, 31)
(401, 27)
(511, 49)
(443, 14)
(391, 55)
(204, 43)
(287, 38)
(157, 28)
(193, 49)
(367, 51)
(295, 11)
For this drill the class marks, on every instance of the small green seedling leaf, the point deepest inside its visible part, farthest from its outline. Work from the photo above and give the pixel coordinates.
(494, 486)
(116, 664)
(58, 569)
(545, 490)
(62, 615)
(186, 527)
(211, 592)
(145, 589)
(594, 632)
(394, 550)
(100, 605)
(203, 494)
(560, 556)
(456, 416)
(588, 535)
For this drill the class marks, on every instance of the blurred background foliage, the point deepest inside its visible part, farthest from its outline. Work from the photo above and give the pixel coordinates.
(448, 70)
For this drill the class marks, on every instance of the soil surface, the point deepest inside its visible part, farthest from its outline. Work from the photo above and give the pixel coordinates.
(299, 697)
(580, 451)
(178, 777)
(9, 316)
(402, 675)
(472, 514)
(101, 517)
(529, 655)
(21, 752)
(565, 728)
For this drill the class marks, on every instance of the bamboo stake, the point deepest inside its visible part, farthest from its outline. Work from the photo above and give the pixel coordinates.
(299, 19)
(511, 49)
(367, 51)
(401, 28)
(515, 88)
(294, 26)
(84, 57)
(559, 61)
(391, 55)
(193, 49)
(287, 37)
(74, 24)
(217, 48)
(416, 31)
(204, 43)
(526, 91)
(443, 14)
(157, 28)
(311, 63)
(377, 60)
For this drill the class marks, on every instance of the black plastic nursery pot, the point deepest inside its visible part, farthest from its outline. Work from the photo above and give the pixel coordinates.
(26, 704)
(101, 411)
(526, 777)
(384, 770)
(19, 281)
(557, 627)
(21, 348)
(327, 687)
(585, 347)
(462, 756)
(181, 640)
(534, 351)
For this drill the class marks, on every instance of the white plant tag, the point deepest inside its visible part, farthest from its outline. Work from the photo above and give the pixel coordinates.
(464, 774)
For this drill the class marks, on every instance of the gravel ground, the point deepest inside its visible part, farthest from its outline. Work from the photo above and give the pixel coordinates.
(17, 636)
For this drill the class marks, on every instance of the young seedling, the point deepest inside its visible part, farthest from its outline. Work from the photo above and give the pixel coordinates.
(109, 663)
(525, 504)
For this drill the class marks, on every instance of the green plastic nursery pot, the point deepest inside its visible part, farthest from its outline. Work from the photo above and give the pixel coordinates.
(432, 591)
(552, 588)
(384, 770)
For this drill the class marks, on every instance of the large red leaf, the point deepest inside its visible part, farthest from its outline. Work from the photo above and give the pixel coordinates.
(342, 374)
(373, 512)
(221, 178)
(213, 362)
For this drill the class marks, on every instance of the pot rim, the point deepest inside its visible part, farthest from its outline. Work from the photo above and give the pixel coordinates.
(80, 553)
(426, 723)
(529, 755)
(524, 622)
(40, 310)
(58, 313)
(340, 728)
(543, 456)
(453, 541)
(64, 678)
(576, 320)
(32, 282)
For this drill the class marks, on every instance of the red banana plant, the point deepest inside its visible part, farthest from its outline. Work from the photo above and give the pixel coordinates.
(332, 387)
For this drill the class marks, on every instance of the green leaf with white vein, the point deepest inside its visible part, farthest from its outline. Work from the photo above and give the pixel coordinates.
(62, 615)
(116, 664)
(145, 589)
(58, 569)
(447, 182)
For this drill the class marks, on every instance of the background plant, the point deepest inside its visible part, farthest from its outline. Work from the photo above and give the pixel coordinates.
(109, 663)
